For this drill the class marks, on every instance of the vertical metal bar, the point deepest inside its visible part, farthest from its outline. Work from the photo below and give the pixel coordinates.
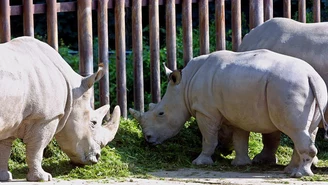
(4, 21)
(204, 27)
(255, 13)
(171, 34)
(287, 9)
(220, 25)
(154, 50)
(236, 23)
(102, 19)
(120, 56)
(316, 11)
(301, 10)
(138, 83)
(52, 28)
(268, 9)
(187, 30)
(28, 10)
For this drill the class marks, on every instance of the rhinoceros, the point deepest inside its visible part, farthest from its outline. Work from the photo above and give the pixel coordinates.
(42, 97)
(307, 41)
(259, 91)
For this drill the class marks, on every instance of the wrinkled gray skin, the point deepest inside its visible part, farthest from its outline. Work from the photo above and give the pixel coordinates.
(41, 97)
(307, 41)
(259, 91)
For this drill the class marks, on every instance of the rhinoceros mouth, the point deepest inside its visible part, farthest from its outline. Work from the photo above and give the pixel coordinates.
(92, 158)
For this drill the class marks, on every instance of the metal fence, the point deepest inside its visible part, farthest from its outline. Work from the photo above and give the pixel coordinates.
(260, 10)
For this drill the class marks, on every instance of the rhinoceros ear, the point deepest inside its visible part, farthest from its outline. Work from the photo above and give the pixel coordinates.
(175, 77)
(167, 70)
(88, 81)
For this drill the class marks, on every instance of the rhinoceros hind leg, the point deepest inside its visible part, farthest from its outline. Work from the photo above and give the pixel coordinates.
(270, 145)
(5, 147)
(39, 136)
(307, 151)
(240, 143)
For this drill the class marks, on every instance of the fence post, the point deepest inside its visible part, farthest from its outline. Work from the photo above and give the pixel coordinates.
(28, 10)
(236, 23)
(171, 35)
(84, 16)
(255, 13)
(4, 21)
(187, 30)
(268, 9)
(52, 28)
(287, 9)
(138, 82)
(102, 21)
(316, 11)
(120, 56)
(301, 10)
(154, 50)
(220, 25)
(204, 27)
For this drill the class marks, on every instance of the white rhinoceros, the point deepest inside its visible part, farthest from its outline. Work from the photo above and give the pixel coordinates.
(307, 41)
(258, 91)
(42, 97)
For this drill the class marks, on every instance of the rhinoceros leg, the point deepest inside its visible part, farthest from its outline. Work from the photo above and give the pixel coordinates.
(209, 130)
(304, 153)
(240, 143)
(5, 147)
(39, 136)
(297, 167)
(270, 145)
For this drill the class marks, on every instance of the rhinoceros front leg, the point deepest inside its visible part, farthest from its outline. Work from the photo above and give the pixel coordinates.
(240, 143)
(37, 138)
(209, 130)
(270, 145)
(5, 147)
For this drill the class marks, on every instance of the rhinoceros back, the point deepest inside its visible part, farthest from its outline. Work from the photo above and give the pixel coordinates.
(32, 87)
(307, 41)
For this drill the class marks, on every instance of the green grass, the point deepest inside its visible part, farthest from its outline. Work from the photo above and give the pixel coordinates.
(129, 155)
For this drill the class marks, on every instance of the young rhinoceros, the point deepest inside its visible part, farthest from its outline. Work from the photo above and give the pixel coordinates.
(42, 97)
(307, 41)
(259, 91)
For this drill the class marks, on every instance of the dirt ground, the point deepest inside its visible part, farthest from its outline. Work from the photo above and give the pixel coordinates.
(187, 177)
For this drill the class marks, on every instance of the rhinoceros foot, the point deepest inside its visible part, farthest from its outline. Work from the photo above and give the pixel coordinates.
(265, 159)
(301, 172)
(5, 176)
(241, 161)
(38, 176)
(203, 160)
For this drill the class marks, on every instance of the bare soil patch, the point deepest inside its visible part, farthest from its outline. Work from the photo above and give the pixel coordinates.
(188, 177)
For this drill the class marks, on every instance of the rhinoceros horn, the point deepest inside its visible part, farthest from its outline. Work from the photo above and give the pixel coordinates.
(136, 114)
(111, 126)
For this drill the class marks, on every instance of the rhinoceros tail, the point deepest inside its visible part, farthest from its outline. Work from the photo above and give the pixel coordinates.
(316, 96)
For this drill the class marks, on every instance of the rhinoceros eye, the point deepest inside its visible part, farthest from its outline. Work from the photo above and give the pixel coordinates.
(161, 113)
(94, 123)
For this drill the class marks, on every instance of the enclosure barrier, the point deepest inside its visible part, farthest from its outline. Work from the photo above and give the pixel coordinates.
(260, 10)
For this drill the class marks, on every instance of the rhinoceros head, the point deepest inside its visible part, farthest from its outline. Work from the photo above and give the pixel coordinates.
(84, 135)
(166, 118)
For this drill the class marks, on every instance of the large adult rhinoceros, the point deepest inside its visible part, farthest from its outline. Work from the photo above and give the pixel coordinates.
(41, 97)
(258, 91)
(307, 41)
